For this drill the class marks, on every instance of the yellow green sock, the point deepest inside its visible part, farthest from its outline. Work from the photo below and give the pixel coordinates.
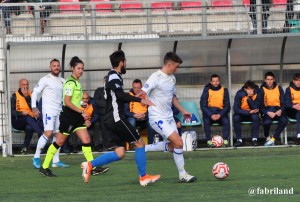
(49, 156)
(87, 152)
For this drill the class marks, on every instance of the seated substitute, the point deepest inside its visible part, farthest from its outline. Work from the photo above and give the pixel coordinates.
(270, 98)
(246, 108)
(22, 115)
(137, 113)
(292, 102)
(215, 106)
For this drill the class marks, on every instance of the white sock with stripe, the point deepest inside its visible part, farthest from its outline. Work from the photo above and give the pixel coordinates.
(160, 146)
(179, 160)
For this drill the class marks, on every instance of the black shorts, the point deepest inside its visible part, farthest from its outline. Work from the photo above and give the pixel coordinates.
(120, 132)
(44, 14)
(70, 121)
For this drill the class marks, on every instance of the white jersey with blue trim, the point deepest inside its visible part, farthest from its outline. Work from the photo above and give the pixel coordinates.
(51, 88)
(160, 89)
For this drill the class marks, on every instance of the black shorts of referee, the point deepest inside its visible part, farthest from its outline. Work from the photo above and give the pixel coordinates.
(120, 132)
(70, 121)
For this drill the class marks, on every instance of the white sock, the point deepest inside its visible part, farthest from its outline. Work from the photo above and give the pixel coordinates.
(160, 146)
(56, 155)
(254, 139)
(298, 136)
(40, 146)
(240, 140)
(179, 160)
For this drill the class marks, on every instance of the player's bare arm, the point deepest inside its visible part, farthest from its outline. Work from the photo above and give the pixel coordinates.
(70, 105)
(176, 104)
(36, 112)
(142, 94)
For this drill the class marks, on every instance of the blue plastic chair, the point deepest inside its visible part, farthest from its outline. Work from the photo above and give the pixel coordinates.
(192, 108)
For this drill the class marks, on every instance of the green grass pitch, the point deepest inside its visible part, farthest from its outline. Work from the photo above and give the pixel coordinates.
(256, 168)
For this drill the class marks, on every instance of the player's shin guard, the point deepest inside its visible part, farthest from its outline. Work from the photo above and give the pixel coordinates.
(140, 160)
(179, 160)
(87, 152)
(50, 153)
(105, 159)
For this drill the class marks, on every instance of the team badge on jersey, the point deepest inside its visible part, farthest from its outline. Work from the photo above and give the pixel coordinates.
(48, 118)
(159, 124)
(146, 86)
(68, 91)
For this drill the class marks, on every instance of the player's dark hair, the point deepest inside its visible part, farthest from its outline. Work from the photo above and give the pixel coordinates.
(296, 76)
(269, 74)
(137, 81)
(54, 60)
(117, 57)
(75, 60)
(172, 56)
(249, 84)
(215, 76)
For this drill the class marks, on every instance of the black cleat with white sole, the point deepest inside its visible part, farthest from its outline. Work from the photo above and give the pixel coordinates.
(187, 178)
(46, 172)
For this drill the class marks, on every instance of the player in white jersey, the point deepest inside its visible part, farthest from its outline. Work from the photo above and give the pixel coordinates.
(160, 88)
(50, 87)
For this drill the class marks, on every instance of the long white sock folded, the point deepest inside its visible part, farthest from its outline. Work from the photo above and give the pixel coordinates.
(160, 146)
(179, 160)
(40, 146)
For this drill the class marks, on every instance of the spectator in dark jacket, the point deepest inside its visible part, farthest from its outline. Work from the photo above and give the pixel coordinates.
(44, 12)
(7, 10)
(99, 112)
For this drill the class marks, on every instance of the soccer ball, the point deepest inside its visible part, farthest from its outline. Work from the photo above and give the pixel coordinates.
(217, 140)
(220, 170)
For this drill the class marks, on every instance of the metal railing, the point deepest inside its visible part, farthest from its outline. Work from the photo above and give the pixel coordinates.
(91, 20)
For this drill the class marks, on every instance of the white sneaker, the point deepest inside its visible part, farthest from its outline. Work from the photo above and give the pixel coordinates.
(187, 178)
(271, 142)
